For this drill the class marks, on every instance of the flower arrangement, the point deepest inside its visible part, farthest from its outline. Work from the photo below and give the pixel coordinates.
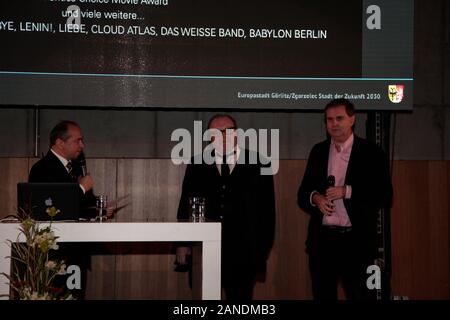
(35, 265)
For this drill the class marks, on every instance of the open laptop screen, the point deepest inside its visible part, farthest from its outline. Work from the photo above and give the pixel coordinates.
(40, 196)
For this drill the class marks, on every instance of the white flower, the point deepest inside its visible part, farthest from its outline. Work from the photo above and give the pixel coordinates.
(36, 281)
(46, 241)
(36, 296)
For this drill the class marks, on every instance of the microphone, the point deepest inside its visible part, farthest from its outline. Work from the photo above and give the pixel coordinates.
(82, 162)
(331, 180)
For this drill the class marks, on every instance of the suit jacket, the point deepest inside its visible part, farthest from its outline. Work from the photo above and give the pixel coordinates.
(367, 174)
(51, 169)
(248, 222)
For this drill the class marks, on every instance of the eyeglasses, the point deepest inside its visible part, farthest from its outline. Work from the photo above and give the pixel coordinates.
(229, 130)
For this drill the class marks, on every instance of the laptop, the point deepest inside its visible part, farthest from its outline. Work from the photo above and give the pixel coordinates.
(41, 196)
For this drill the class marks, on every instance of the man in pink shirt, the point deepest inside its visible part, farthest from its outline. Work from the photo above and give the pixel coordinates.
(346, 183)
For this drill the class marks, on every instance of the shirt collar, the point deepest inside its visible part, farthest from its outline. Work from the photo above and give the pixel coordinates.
(231, 158)
(346, 145)
(63, 160)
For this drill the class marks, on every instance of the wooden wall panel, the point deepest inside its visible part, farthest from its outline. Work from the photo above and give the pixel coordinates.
(151, 188)
(420, 230)
(439, 205)
(101, 279)
(288, 255)
(12, 171)
(101, 276)
(402, 219)
(104, 173)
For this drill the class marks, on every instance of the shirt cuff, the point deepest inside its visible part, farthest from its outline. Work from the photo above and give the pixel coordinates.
(84, 191)
(348, 192)
(311, 197)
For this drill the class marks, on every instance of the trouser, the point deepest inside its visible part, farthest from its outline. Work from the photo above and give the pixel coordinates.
(238, 285)
(337, 257)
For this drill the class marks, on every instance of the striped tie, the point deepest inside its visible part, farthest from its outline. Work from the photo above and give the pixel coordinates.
(70, 170)
(225, 170)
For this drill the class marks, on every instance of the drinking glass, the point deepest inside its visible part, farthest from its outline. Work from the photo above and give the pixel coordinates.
(197, 206)
(101, 205)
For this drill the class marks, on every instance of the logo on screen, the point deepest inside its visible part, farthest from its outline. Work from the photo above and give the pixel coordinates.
(395, 92)
(49, 202)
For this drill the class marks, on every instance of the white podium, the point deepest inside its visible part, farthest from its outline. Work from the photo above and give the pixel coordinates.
(208, 233)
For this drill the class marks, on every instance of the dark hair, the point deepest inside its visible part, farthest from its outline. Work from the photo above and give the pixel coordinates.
(349, 107)
(217, 116)
(61, 131)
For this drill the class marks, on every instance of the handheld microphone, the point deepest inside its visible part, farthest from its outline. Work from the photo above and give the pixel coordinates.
(82, 162)
(331, 180)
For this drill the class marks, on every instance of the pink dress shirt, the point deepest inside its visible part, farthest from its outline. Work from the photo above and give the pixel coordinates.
(338, 158)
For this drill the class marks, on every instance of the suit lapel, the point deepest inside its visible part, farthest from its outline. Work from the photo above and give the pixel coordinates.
(213, 170)
(351, 161)
(323, 164)
(57, 164)
(238, 166)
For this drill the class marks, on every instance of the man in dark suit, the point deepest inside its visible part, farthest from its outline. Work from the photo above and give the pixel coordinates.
(60, 164)
(346, 183)
(242, 199)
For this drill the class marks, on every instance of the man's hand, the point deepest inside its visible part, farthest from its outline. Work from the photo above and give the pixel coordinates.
(110, 212)
(182, 253)
(87, 182)
(325, 206)
(334, 193)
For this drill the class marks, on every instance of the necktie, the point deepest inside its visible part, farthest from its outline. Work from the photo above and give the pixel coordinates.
(70, 170)
(225, 170)
(338, 148)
